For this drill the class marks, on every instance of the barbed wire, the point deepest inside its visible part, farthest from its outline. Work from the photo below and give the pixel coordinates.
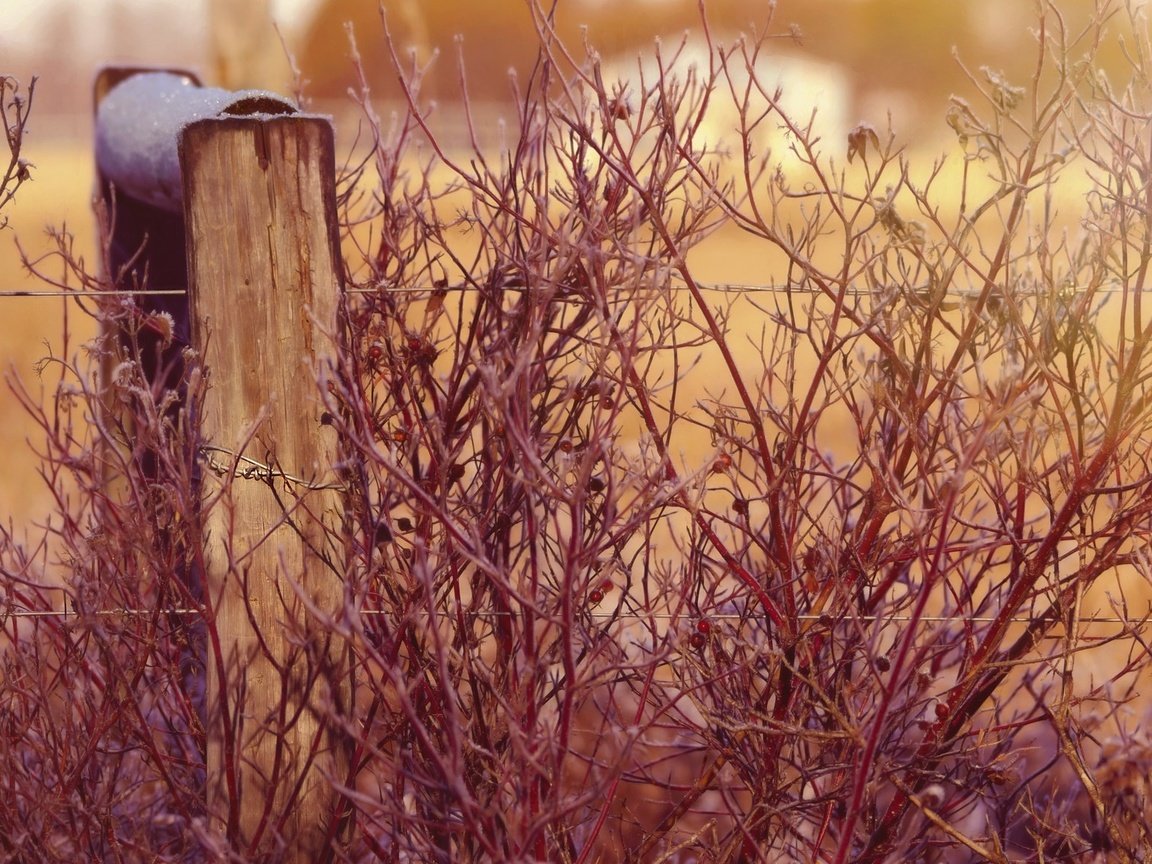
(247, 468)
(632, 616)
(171, 292)
(679, 285)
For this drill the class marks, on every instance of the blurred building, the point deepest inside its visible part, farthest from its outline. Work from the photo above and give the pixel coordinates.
(892, 55)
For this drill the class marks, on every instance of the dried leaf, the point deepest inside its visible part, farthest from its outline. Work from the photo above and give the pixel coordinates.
(859, 138)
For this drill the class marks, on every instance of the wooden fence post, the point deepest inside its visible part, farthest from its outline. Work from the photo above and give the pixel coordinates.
(264, 275)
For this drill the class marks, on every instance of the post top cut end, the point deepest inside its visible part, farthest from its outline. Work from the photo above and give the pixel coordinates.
(138, 125)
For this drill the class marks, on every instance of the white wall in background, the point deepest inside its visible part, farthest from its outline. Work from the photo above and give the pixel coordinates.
(806, 85)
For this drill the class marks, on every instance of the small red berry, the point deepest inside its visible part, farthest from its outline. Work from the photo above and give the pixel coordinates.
(606, 402)
(704, 626)
(596, 484)
(723, 463)
(606, 585)
(375, 353)
(941, 709)
(595, 595)
(740, 506)
(696, 640)
(455, 472)
(883, 664)
(565, 445)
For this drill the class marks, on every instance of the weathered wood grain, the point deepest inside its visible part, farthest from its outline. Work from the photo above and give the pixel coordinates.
(265, 279)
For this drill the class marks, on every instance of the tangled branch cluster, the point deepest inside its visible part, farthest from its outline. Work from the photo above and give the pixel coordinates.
(641, 572)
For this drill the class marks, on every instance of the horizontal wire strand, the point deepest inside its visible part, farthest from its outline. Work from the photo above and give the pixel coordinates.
(659, 616)
(168, 292)
(723, 287)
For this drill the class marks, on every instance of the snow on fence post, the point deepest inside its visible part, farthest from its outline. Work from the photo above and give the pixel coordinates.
(255, 188)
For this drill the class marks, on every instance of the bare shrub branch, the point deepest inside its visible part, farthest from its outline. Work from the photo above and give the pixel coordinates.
(636, 569)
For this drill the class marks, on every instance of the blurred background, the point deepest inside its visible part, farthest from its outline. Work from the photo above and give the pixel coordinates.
(893, 54)
(857, 60)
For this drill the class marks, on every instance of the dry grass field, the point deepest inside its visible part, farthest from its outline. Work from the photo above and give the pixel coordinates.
(57, 198)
